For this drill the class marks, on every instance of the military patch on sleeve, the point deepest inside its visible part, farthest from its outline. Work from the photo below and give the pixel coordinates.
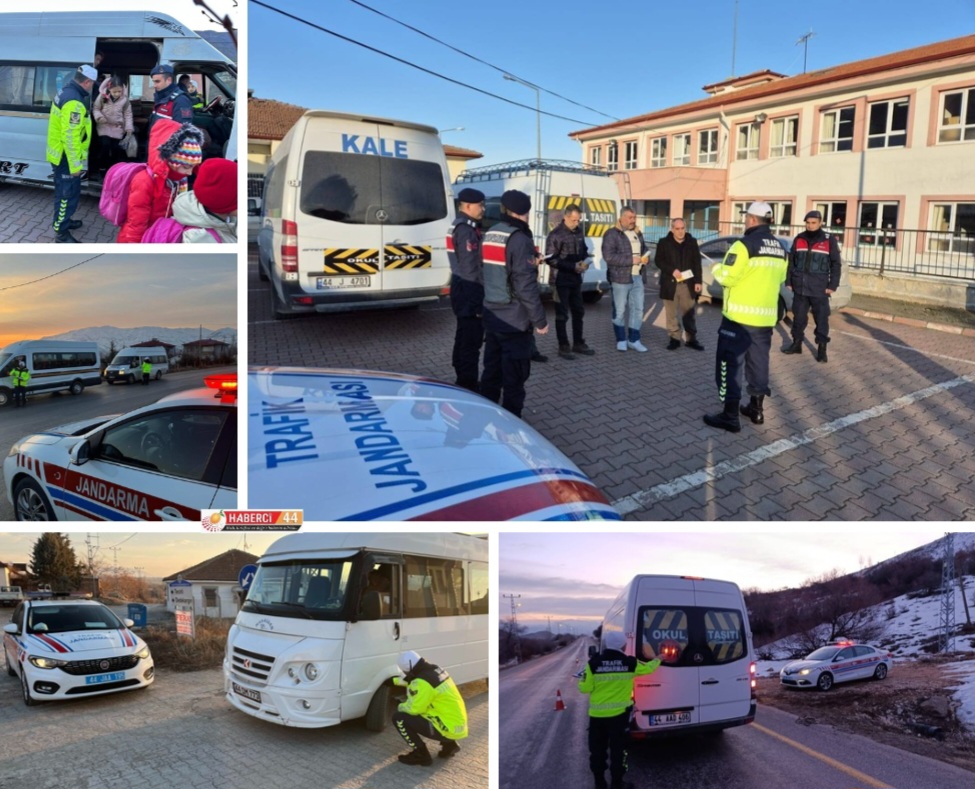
(75, 118)
(729, 259)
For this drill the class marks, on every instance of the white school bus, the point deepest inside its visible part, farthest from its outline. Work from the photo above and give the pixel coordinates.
(327, 615)
(39, 52)
(54, 366)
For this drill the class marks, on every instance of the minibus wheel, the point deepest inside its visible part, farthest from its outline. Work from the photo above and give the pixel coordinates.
(4, 397)
(378, 715)
(76, 387)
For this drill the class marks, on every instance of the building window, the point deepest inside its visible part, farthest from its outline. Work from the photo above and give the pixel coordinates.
(888, 124)
(630, 161)
(834, 215)
(682, 150)
(596, 156)
(781, 211)
(784, 134)
(952, 228)
(210, 596)
(707, 146)
(957, 116)
(658, 152)
(613, 157)
(836, 133)
(877, 224)
(747, 147)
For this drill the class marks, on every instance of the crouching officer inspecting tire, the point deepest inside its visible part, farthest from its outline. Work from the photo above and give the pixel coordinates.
(752, 272)
(433, 708)
(608, 679)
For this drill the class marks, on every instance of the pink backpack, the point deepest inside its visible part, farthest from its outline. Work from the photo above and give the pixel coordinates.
(114, 202)
(167, 230)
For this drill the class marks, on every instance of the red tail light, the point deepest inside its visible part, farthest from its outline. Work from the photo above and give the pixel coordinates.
(289, 246)
(752, 671)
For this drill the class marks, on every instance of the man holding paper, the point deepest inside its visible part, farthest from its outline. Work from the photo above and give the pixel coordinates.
(626, 256)
(679, 261)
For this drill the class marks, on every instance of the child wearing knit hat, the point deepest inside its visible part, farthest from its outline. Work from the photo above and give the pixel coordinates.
(211, 208)
(174, 152)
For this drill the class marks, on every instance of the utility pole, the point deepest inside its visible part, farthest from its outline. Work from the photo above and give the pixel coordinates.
(804, 40)
(513, 632)
(946, 636)
(734, 39)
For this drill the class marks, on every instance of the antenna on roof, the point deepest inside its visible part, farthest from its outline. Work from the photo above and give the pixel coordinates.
(804, 40)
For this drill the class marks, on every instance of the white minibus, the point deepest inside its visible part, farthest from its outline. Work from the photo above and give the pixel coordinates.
(326, 615)
(700, 627)
(54, 365)
(127, 364)
(40, 51)
(355, 215)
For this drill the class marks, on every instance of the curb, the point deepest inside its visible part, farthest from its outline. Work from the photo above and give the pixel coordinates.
(883, 316)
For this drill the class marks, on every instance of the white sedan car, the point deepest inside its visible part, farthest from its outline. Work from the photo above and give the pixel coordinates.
(840, 662)
(164, 461)
(361, 445)
(64, 649)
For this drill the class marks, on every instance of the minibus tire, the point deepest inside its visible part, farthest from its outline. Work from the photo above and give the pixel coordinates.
(130, 379)
(4, 397)
(158, 375)
(76, 387)
(378, 715)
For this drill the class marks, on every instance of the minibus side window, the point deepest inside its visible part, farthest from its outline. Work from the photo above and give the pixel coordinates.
(274, 188)
(434, 587)
(381, 593)
(478, 577)
(16, 86)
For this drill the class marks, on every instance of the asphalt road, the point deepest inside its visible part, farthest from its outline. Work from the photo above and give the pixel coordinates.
(539, 745)
(48, 410)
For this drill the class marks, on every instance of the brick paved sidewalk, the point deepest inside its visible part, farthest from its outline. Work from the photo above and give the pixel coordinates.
(26, 214)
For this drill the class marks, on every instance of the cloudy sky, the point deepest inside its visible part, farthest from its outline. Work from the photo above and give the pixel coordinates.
(44, 294)
(572, 578)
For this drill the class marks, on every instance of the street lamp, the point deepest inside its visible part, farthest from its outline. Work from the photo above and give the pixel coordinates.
(456, 128)
(538, 110)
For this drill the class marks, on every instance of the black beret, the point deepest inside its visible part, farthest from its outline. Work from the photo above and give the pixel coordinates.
(516, 202)
(469, 195)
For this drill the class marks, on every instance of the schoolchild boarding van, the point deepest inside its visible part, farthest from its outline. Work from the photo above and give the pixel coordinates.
(355, 215)
(699, 628)
(552, 186)
(327, 615)
(54, 366)
(127, 364)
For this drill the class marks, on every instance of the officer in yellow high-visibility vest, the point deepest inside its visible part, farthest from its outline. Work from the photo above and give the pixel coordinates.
(146, 371)
(608, 679)
(68, 139)
(20, 380)
(752, 273)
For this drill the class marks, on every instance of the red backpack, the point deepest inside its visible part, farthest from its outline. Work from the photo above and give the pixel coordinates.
(114, 202)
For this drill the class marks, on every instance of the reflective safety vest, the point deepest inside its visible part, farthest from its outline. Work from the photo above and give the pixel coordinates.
(752, 273)
(433, 696)
(19, 377)
(146, 368)
(69, 127)
(608, 679)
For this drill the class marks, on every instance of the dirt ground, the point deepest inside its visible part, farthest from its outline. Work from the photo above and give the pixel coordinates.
(884, 711)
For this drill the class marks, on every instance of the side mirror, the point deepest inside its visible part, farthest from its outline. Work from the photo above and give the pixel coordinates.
(11, 627)
(128, 622)
(80, 453)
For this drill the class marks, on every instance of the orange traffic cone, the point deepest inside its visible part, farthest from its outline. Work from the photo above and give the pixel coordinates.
(559, 705)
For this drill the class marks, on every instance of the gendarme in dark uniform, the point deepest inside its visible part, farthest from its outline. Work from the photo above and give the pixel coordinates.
(467, 287)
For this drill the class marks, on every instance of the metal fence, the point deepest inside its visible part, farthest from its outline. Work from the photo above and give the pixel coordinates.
(888, 250)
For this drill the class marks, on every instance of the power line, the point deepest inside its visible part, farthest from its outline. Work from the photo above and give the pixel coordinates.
(56, 273)
(413, 65)
(477, 59)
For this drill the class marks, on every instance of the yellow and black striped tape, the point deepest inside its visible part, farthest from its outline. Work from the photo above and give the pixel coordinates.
(406, 257)
(351, 261)
(598, 215)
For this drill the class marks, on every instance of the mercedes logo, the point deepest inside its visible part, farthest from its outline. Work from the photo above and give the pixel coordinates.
(698, 657)
(381, 215)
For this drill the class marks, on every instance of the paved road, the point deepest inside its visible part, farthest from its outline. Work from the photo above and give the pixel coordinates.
(181, 733)
(26, 214)
(539, 745)
(883, 431)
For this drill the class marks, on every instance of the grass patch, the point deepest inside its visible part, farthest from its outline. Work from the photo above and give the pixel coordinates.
(182, 653)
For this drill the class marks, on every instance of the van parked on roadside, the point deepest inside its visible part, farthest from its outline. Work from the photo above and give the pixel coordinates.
(54, 365)
(700, 627)
(127, 364)
(355, 215)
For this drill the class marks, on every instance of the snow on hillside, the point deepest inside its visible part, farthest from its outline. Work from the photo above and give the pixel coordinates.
(105, 335)
(910, 625)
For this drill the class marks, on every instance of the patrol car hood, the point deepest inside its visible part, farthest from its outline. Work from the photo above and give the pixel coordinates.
(798, 665)
(358, 445)
(71, 429)
(64, 644)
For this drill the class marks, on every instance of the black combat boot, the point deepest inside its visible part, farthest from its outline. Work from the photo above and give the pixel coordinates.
(565, 351)
(796, 347)
(821, 356)
(727, 419)
(448, 748)
(754, 410)
(419, 756)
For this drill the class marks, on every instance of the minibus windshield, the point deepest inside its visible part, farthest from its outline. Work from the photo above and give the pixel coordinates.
(314, 589)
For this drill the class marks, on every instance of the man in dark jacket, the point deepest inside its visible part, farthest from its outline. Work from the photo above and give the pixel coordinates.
(679, 261)
(512, 304)
(566, 251)
(467, 287)
(626, 257)
(169, 100)
(814, 276)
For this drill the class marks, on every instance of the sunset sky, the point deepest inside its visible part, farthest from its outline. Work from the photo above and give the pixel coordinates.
(45, 294)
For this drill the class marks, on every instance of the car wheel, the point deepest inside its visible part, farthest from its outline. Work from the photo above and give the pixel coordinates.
(10, 666)
(31, 503)
(592, 296)
(825, 681)
(377, 716)
(77, 388)
(880, 672)
(25, 690)
(158, 375)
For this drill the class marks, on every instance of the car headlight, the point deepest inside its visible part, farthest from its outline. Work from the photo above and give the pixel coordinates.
(46, 662)
(805, 671)
(143, 653)
(311, 672)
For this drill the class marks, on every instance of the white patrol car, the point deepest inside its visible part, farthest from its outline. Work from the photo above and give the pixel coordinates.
(357, 445)
(839, 662)
(63, 649)
(164, 461)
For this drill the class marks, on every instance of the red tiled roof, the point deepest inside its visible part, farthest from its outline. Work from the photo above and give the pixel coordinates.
(942, 50)
(203, 343)
(224, 567)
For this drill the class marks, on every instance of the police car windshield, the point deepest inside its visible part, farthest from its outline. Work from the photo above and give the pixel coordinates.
(823, 653)
(66, 618)
(300, 590)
